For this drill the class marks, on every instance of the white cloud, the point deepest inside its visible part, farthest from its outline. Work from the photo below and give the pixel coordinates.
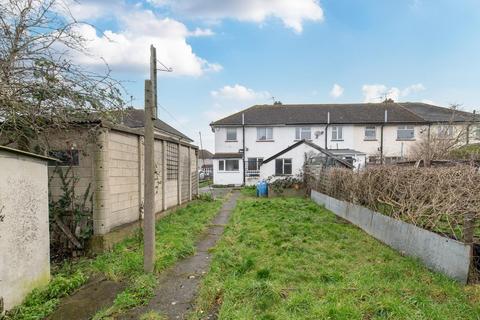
(336, 91)
(198, 32)
(380, 92)
(415, 88)
(293, 13)
(239, 93)
(127, 48)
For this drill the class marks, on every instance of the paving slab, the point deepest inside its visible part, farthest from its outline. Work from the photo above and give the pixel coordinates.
(178, 286)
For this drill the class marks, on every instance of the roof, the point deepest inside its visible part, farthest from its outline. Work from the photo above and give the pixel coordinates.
(345, 151)
(310, 144)
(204, 154)
(27, 154)
(227, 155)
(135, 118)
(353, 113)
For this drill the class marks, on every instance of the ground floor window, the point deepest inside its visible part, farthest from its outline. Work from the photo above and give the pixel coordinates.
(254, 164)
(228, 165)
(283, 167)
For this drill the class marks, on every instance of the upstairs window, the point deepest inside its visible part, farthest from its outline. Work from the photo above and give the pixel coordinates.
(283, 167)
(337, 133)
(371, 133)
(231, 134)
(476, 132)
(172, 161)
(445, 131)
(228, 165)
(264, 134)
(405, 133)
(304, 133)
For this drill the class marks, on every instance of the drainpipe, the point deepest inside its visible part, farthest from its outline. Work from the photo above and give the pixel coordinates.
(326, 130)
(244, 151)
(385, 120)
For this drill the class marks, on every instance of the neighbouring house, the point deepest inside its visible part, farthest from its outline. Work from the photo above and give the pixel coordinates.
(361, 133)
(24, 226)
(205, 163)
(291, 160)
(108, 162)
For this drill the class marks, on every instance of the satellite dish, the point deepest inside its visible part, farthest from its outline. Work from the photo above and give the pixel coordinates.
(318, 134)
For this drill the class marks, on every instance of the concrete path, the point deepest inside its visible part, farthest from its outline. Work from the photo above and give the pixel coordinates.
(177, 287)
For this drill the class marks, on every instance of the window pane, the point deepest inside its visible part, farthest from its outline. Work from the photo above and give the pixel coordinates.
(231, 165)
(261, 134)
(306, 133)
(279, 166)
(405, 133)
(337, 133)
(231, 134)
(269, 133)
(297, 133)
(66, 157)
(221, 165)
(287, 166)
(252, 164)
(370, 133)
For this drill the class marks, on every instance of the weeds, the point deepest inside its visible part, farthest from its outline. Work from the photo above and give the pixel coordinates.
(287, 258)
(175, 238)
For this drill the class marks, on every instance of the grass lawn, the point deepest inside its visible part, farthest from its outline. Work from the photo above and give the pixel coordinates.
(287, 258)
(205, 183)
(175, 234)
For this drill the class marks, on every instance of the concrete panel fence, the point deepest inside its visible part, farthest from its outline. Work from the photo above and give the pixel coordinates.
(445, 255)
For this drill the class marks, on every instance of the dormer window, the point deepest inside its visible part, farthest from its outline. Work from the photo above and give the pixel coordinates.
(303, 133)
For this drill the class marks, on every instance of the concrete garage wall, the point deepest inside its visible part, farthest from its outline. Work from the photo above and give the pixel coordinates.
(124, 175)
(441, 254)
(24, 232)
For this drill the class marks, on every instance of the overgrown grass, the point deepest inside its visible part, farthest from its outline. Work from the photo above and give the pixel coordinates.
(205, 183)
(175, 238)
(288, 258)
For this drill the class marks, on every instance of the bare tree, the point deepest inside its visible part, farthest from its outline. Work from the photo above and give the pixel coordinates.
(440, 140)
(41, 87)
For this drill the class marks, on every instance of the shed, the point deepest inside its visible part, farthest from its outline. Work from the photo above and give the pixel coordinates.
(24, 224)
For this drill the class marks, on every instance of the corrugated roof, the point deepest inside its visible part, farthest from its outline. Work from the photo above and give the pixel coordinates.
(135, 118)
(356, 113)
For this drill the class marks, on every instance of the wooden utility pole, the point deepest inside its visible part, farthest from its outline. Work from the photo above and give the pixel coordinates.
(149, 202)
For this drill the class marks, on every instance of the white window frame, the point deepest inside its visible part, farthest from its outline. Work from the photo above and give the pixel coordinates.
(337, 133)
(370, 129)
(283, 166)
(258, 162)
(223, 163)
(406, 128)
(230, 131)
(264, 134)
(302, 133)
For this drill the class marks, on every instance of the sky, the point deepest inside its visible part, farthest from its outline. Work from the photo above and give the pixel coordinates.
(228, 55)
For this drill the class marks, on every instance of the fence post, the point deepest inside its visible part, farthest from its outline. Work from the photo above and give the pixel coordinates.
(164, 175)
(468, 228)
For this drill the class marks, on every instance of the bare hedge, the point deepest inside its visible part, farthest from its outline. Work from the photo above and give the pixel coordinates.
(436, 199)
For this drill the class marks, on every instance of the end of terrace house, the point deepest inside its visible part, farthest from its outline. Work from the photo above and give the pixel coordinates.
(361, 134)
